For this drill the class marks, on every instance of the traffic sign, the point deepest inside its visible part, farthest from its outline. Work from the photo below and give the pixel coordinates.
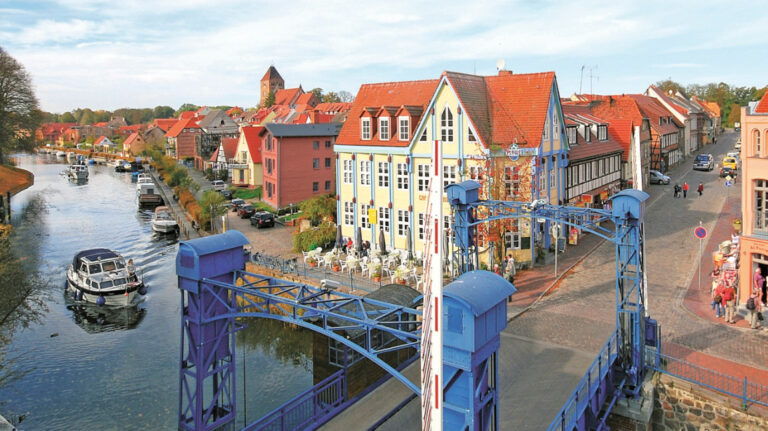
(700, 232)
(728, 183)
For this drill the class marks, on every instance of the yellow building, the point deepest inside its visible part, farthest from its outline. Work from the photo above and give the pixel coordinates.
(503, 131)
(246, 165)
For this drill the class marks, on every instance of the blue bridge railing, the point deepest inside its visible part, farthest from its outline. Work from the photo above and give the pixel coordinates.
(308, 410)
(748, 392)
(592, 391)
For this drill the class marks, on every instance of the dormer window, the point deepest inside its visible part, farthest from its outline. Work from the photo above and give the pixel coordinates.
(587, 134)
(471, 136)
(365, 128)
(404, 129)
(384, 128)
(570, 133)
(602, 133)
(446, 125)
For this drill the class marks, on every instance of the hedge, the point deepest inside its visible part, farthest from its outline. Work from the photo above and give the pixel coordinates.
(314, 237)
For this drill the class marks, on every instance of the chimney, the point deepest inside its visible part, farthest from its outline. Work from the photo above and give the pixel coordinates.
(505, 72)
(313, 116)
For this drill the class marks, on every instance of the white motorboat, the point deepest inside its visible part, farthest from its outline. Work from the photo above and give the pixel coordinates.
(101, 276)
(78, 172)
(61, 154)
(143, 179)
(163, 221)
(148, 195)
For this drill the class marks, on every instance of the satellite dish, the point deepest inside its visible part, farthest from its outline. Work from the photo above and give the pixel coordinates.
(500, 64)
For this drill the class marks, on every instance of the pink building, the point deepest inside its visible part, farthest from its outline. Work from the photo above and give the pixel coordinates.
(754, 193)
(298, 162)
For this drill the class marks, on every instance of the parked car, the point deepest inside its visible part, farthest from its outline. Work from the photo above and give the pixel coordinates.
(704, 162)
(227, 194)
(246, 210)
(731, 162)
(236, 203)
(738, 145)
(218, 185)
(658, 178)
(263, 219)
(727, 171)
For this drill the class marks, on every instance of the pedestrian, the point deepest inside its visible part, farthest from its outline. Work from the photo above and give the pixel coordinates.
(758, 282)
(685, 190)
(753, 307)
(700, 189)
(496, 269)
(511, 271)
(729, 300)
(717, 291)
(677, 190)
(131, 268)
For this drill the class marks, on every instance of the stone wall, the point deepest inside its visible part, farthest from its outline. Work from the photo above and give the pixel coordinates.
(680, 405)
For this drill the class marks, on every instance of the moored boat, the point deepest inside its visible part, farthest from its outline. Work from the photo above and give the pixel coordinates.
(78, 172)
(61, 154)
(102, 277)
(163, 221)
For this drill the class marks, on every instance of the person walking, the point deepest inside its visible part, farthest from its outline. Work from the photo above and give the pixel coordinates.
(758, 282)
(700, 189)
(729, 300)
(510, 272)
(754, 306)
(677, 191)
(685, 190)
(717, 292)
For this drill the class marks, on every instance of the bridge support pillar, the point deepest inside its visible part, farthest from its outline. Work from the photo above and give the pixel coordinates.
(634, 414)
(475, 313)
(207, 360)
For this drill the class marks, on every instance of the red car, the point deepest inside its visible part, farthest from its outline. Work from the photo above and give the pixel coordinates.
(245, 211)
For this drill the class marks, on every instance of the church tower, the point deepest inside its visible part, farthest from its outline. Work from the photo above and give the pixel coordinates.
(272, 81)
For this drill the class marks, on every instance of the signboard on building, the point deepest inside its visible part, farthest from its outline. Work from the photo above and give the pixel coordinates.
(513, 152)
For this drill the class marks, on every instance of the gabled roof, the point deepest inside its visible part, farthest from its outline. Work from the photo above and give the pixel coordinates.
(307, 98)
(230, 147)
(165, 123)
(130, 139)
(253, 141)
(622, 114)
(180, 125)
(287, 96)
(333, 108)
(271, 73)
(214, 118)
(762, 106)
(578, 114)
(412, 93)
(102, 140)
(653, 110)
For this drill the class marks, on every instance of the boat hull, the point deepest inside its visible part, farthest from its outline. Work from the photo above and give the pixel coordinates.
(113, 297)
(164, 227)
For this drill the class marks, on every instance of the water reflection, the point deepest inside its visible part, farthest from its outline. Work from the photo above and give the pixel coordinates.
(95, 319)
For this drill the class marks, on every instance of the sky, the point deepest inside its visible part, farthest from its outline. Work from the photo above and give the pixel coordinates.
(108, 55)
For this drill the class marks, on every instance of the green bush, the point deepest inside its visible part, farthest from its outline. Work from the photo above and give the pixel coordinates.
(261, 206)
(315, 237)
(248, 193)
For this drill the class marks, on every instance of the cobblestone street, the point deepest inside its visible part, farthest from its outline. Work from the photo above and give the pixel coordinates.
(580, 313)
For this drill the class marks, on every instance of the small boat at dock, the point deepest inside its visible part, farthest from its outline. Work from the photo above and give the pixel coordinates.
(78, 172)
(163, 221)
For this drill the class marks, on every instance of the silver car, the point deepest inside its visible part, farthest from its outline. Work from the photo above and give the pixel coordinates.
(704, 162)
(658, 178)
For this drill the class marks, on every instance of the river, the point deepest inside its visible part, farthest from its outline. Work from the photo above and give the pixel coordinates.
(89, 368)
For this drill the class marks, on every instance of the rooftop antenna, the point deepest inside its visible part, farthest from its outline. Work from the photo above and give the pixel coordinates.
(581, 77)
(500, 65)
(590, 78)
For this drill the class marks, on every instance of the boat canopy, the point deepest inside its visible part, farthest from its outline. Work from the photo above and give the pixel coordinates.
(94, 254)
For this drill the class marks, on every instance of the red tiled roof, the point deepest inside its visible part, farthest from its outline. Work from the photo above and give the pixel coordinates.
(762, 106)
(714, 107)
(377, 95)
(306, 99)
(130, 139)
(670, 101)
(622, 114)
(230, 147)
(653, 109)
(253, 141)
(165, 123)
(186, 114)
(287, 96)
(101, 124)
(577, 114)
(180, 125)
(333, 108)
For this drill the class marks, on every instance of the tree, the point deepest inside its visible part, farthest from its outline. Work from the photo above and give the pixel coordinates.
(346, 96)
(162, 112)
(331, 97)
(318, 92)
(19, 111)
(735, 115)
(270, 100)
(67, 117)
(212, 205)
(318, 208)
(185, 107)
(669, 84)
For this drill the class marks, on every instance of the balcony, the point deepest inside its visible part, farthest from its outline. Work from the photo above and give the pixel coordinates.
(237, 164)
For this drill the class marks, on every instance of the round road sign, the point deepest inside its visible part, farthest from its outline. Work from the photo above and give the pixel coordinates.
(700, 232)
(728, 183)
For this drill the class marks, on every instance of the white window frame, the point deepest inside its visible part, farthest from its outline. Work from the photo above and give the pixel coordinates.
(349, 213)
(760, 196)
(513, 240)
(404, 128)
(383, 221)
(602, 133)
(365, 128)
(383, 174)
(384, 128)
(422, 177)
(446, 125)
(570, 133)
(552, 178)
(476, 173)
(470, 136)
(449, 174)
(545, 134)
(364, 221)
(402, 176)
(403, 221)
(365, 172)
(423, 137)
(347, 168)
(420, 225)
(511, 181)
